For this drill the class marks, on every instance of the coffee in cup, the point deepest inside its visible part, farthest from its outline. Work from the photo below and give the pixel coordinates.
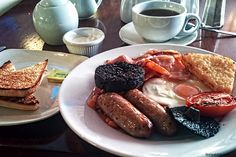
(158, 21)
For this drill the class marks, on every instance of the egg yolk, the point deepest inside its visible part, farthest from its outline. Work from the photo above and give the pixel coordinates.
(185, 90)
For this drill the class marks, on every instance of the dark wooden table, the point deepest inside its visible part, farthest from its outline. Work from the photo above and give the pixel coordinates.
(52, 137)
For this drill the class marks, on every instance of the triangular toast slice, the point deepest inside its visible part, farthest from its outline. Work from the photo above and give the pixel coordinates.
(7, 67)
(28, 103)
(215, 71)
(20, 83)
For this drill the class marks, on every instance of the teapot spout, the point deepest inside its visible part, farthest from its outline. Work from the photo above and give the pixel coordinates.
(86, 8)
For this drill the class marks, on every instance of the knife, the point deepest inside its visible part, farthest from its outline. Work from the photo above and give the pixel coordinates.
(190, 25)
(2, 48)
(219, 31)
(54, 92)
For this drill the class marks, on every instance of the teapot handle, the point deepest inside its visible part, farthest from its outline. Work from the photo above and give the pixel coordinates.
(99, 2)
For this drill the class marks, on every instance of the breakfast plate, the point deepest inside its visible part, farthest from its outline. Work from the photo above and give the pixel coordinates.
(129, 35)
(86, 123)
(46, 92)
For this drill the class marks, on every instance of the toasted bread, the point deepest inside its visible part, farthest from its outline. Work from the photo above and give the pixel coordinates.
(7, 67)
(28, 103)
(215, 71)
(20, 83)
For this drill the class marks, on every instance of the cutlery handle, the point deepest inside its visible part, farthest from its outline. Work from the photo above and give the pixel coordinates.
(219, 31)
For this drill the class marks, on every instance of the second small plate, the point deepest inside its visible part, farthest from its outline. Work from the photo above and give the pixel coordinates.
(129, 35)
(47, 92)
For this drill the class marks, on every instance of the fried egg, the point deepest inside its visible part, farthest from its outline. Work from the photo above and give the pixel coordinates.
(172, 93)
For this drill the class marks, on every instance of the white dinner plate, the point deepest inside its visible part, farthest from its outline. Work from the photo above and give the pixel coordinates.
(86, 123)
(129, 35)
(46, 93)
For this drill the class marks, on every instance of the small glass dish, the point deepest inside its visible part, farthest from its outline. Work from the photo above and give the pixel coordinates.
(84, 41)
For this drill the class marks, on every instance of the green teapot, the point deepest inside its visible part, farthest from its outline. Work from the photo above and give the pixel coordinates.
(53, 18)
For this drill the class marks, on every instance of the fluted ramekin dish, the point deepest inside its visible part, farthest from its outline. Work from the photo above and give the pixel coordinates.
(84, 41)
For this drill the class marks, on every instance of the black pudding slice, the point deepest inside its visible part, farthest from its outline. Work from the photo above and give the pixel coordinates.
(119, 77)
(205, 127)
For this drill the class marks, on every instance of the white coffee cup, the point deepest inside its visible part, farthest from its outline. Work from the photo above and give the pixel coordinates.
(160, 28)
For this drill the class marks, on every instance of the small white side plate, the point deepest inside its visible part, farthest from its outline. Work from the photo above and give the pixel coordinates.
(47, 100)
(129, 35)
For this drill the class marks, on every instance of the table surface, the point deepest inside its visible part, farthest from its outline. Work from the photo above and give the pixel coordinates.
(52, 137)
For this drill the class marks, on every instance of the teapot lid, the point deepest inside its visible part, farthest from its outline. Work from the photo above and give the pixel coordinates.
(52, 3)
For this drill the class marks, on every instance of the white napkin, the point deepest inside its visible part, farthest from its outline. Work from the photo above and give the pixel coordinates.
(6, 5)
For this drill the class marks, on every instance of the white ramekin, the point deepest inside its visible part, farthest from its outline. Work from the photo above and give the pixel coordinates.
(84, 41)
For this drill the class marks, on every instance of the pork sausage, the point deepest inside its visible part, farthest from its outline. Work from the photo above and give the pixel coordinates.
(164, 123)
(125, 115)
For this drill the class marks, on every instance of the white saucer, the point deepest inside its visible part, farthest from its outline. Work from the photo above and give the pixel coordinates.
(129, 35)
